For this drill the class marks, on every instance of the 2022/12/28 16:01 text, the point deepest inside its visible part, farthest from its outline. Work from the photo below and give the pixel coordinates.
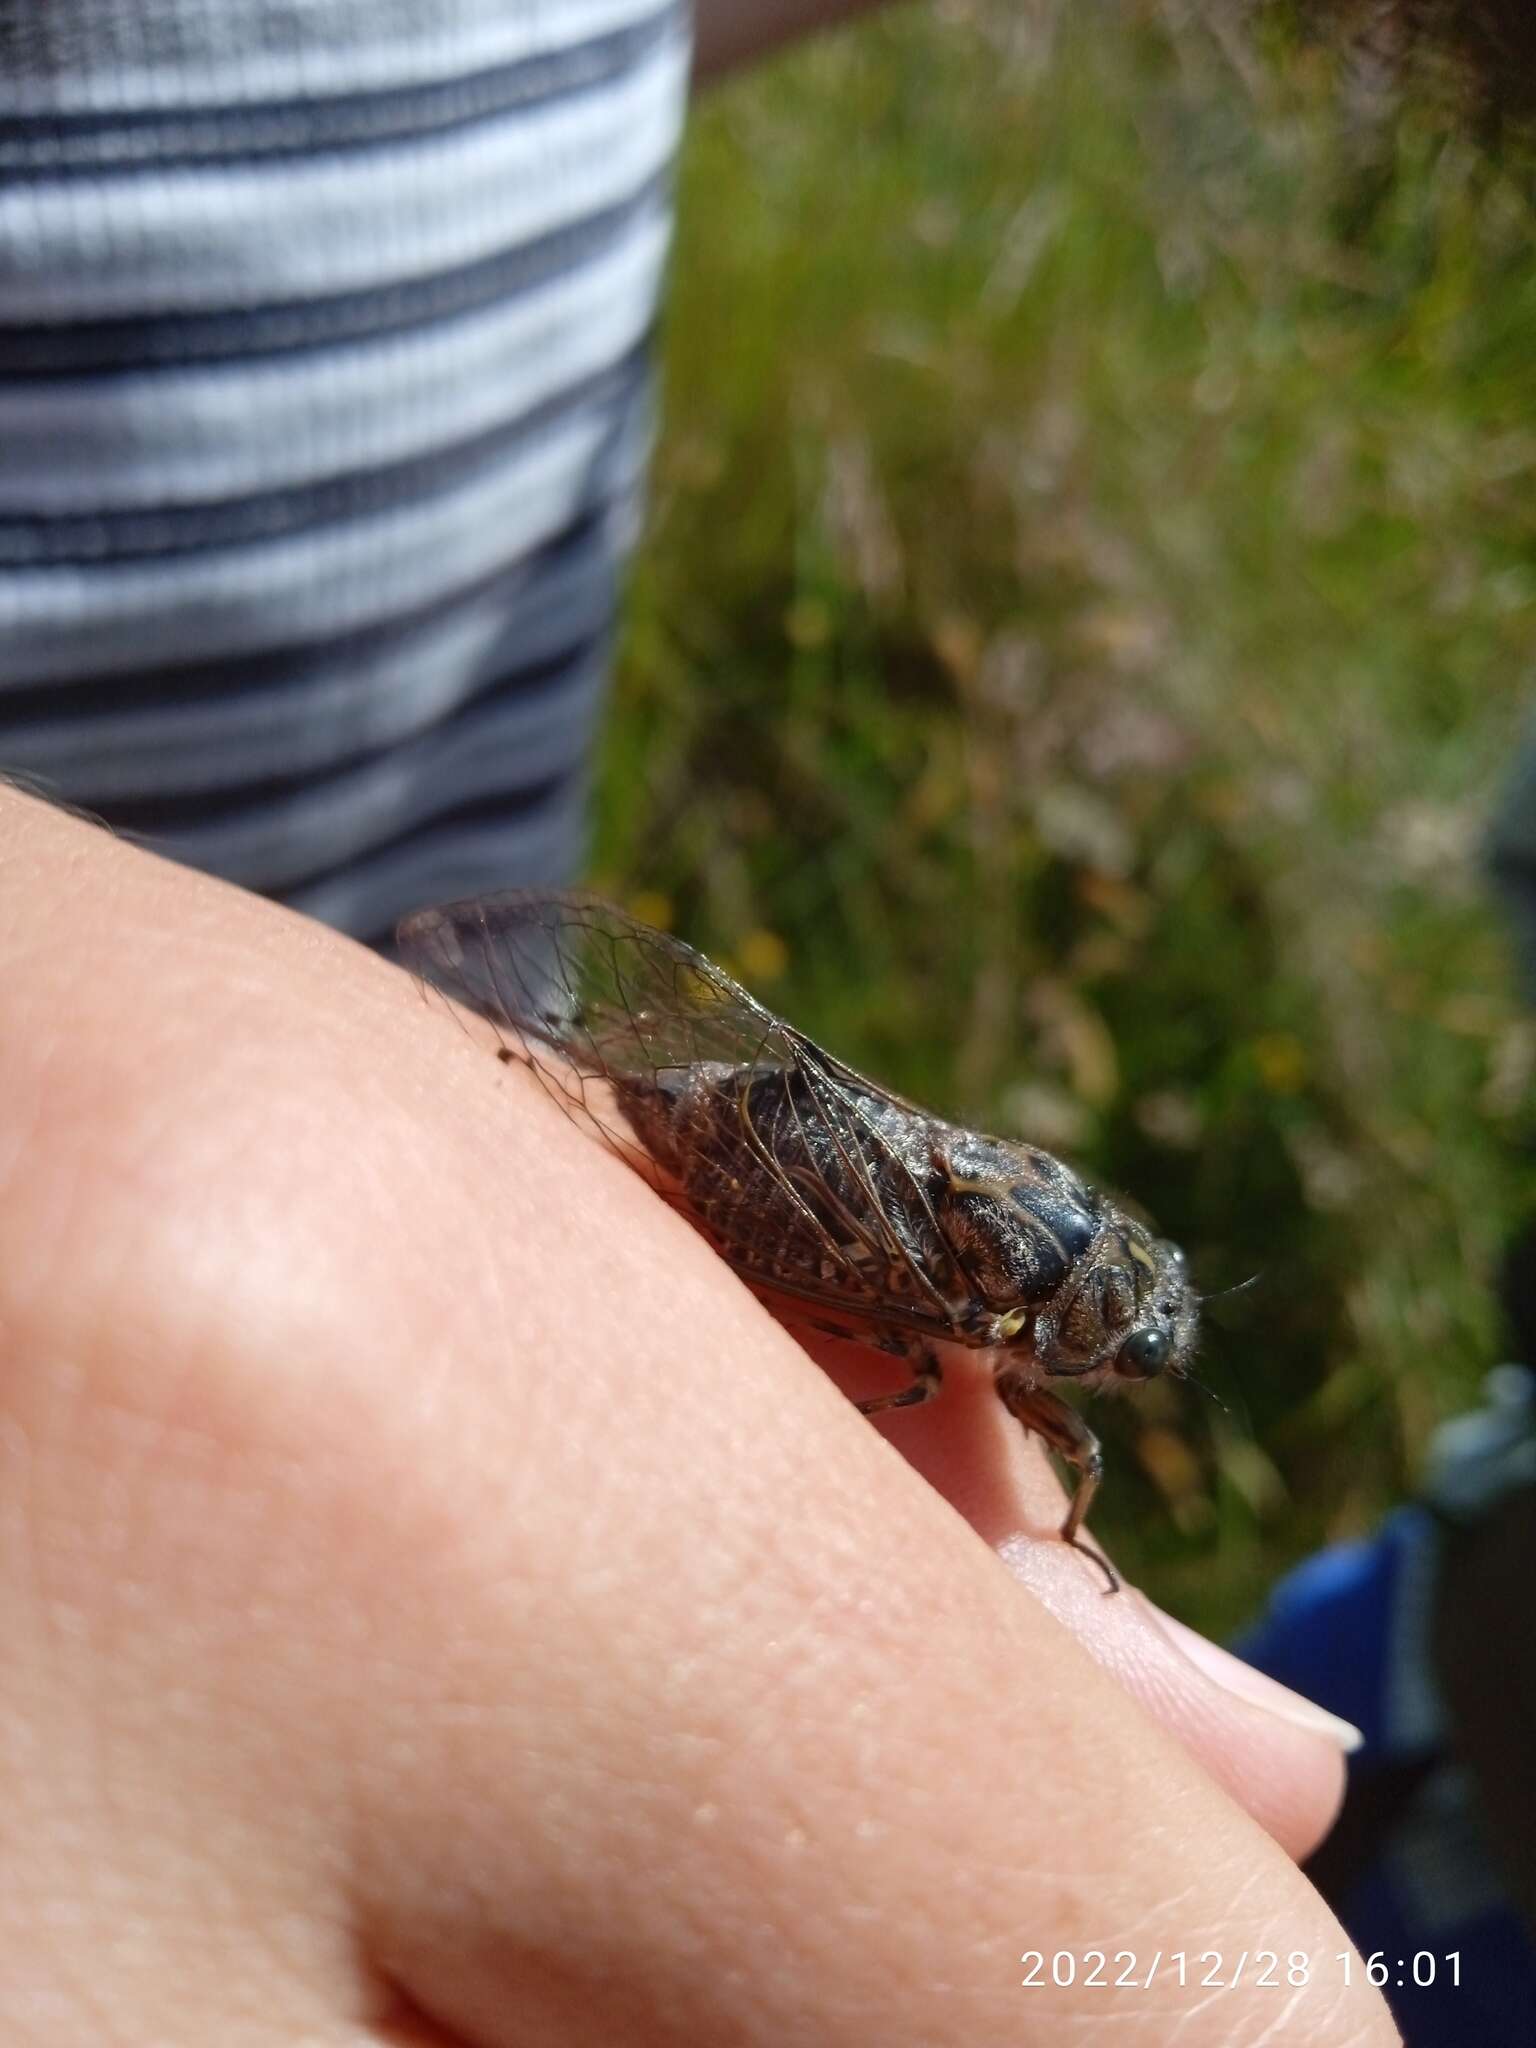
(1211, 1969)
(840, 1204)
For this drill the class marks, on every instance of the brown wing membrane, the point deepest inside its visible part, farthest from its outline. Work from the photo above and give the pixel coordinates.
(594, 1001)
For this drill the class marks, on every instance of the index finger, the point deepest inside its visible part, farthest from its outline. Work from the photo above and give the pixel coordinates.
(1276, 1753)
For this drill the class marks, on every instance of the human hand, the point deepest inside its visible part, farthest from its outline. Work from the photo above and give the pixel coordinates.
(441, 1606)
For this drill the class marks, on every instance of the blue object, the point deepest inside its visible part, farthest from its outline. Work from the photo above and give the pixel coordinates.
(1410, 1870)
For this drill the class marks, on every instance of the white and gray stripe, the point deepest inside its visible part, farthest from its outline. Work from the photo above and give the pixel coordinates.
(323, 413)
(225, 430)
(335, 575)
(174, 730)
(360, 219)
(121, 57)
(64, 143)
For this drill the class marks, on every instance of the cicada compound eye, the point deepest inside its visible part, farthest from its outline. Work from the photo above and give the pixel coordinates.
(1143, 1355)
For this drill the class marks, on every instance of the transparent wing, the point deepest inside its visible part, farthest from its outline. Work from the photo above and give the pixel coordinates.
(562, 972)
(592, 1000)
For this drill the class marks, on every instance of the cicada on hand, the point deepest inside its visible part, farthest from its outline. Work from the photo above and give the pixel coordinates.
(841, 1205)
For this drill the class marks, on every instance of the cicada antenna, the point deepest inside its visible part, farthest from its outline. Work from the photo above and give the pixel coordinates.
(1210, 1393)
(1241, 1287)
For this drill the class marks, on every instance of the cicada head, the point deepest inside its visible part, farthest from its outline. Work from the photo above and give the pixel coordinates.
(1132, 1316)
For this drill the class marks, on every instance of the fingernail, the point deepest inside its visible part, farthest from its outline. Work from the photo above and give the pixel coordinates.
(1259, 1690)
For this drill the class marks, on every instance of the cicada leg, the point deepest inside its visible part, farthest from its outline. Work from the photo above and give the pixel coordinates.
(926, 1375)
(1064, 1431)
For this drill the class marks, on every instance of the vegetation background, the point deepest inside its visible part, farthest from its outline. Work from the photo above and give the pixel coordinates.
(1089, 601)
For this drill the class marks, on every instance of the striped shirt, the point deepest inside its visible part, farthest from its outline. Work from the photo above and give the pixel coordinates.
(324, 409)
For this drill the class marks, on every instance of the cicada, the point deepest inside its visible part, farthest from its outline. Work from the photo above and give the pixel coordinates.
(840, 1204)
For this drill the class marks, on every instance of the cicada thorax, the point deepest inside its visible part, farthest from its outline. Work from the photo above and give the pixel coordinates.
(1018, 1221)
(1067, 1269)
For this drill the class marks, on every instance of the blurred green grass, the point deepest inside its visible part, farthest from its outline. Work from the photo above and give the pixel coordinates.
(1089, 599)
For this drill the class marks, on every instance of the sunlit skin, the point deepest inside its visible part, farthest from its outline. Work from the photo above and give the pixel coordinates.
(442, 1606)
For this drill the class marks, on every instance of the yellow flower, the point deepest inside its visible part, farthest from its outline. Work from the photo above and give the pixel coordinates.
(1282, 1062)
(808, 623)
(651, 907)
(764, 956)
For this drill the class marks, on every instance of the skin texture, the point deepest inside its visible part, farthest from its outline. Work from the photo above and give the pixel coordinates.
(441, 1605)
